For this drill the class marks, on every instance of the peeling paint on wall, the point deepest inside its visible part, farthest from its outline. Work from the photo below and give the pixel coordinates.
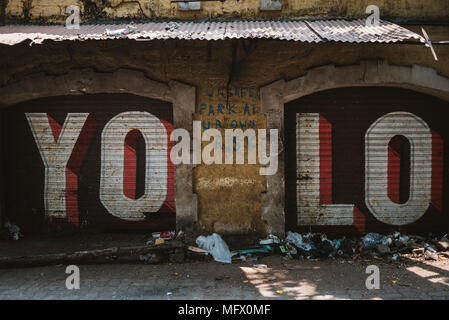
(95, 10)
(3, 5)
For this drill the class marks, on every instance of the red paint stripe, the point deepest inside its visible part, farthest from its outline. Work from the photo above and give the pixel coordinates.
(73, 169)
(130, 164)
(169, 204)
(325, 135)
(55, 127)
(437, 171)
(394, 171)
(71, 197)
(398, 169)
(359, 220)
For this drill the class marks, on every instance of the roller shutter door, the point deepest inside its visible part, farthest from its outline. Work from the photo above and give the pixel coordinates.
(367, 159)
(92, 161)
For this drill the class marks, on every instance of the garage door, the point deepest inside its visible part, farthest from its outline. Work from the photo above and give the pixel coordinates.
(367, 159)
(94, 161)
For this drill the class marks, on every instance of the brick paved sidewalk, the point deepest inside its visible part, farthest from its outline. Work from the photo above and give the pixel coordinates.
(297, 279)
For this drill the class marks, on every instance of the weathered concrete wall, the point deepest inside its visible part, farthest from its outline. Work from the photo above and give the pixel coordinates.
(94, 10)
(229, 196)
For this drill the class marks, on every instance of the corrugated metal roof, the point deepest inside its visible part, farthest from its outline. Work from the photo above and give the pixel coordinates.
(356, 31)
(304, 31)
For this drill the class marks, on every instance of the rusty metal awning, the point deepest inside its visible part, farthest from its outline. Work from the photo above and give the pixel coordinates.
(353, 31)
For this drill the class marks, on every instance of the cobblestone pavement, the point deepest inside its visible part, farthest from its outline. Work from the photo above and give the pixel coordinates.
(297, 279)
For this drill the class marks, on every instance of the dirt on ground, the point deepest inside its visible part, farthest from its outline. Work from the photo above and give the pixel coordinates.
(270, 277)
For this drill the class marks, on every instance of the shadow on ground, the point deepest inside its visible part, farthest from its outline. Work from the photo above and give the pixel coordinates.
(280, 279)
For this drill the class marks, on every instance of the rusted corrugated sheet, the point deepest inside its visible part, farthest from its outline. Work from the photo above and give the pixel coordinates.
(367, 159)
(99, 161)
(304, 31)
(283, 30)
(357, 31)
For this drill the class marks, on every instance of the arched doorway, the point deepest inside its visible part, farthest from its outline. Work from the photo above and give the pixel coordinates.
(86, 82)
(274, 96)
(361, 159)
(100, 161)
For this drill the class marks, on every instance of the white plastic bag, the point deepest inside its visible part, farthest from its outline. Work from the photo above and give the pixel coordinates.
(297, 240)
(216, 246)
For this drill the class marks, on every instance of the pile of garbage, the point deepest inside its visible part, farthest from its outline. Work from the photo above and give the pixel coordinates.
(372, 245)
(313, 246)
(396, 244)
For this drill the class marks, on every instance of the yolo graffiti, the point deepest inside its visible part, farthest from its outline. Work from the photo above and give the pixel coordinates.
(382, 171)
(63, 148)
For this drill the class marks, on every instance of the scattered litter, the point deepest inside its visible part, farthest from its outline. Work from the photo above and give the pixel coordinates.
(13, 229)
(247, 257)
(429, 255)
(161, 237)
(283, 249)
(270, 240)
(150, 258)
(166, 235)
(121, 32)
(264, 249)
(145, 257)
(404, 285)
(310, 246)
(372, 239)
(429, 248)
(260, 266)
(418, 251)
(216, 246)
(382, 248)
(180, 235)
(404, 239)
(280, 291)
(290, 248)
(169, 293)
(377, 246)
(199, 250)
(297, 240)
(443, 244)
(171, 26)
